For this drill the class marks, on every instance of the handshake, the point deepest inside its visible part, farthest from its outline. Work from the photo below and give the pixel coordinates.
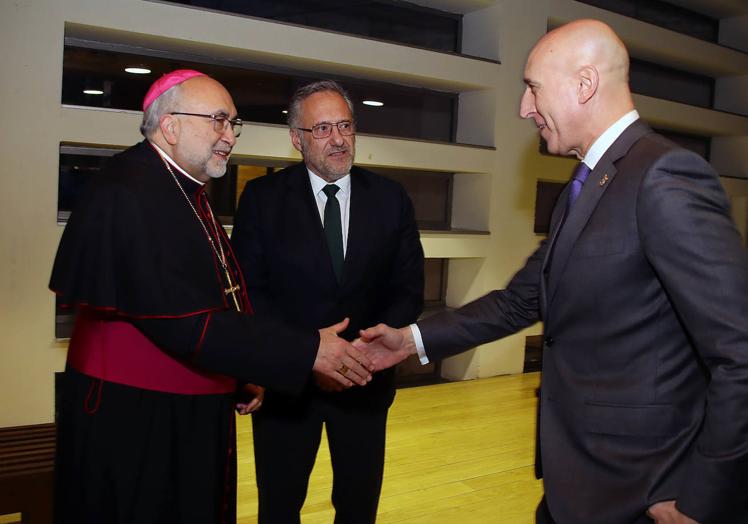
(341, 364)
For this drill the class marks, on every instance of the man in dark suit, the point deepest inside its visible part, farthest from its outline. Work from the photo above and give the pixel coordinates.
(642, 286)
(325, 240)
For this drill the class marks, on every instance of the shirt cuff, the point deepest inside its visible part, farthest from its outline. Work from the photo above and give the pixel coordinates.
(419, 344)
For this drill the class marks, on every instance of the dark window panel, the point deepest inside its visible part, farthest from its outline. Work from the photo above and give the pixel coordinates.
(664, 15)
(430, 192)
(77, 166)
(435, 290)
(533, 354)
(394, 21)
(658, 81)
(260, 95)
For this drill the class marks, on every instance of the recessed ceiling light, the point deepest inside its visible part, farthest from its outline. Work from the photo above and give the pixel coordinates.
(373, 103)
(137, 70)
(93, 91)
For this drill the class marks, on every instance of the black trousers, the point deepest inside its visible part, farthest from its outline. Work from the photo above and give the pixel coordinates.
(286, 441)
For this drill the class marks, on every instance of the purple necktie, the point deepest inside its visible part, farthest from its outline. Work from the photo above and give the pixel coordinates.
(581, 172)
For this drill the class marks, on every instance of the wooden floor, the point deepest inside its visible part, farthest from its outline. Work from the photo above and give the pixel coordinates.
(461, 453)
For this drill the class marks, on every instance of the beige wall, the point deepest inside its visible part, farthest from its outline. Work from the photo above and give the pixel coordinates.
(494, 188)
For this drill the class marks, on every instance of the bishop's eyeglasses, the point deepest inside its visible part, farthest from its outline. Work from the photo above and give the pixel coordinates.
(323, 130)
(221, 122)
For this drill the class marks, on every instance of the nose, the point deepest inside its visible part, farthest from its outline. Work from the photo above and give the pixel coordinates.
(527, 104)
(335, 137)
(228, 136)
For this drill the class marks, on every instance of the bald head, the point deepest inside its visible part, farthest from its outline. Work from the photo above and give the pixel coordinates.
(586, 43)
(577, 78)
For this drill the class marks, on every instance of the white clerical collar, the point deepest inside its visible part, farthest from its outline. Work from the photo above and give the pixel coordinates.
(174, 164)
(604, 141)
(318, 183)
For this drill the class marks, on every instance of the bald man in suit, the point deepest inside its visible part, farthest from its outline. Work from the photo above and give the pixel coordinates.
(642, 287)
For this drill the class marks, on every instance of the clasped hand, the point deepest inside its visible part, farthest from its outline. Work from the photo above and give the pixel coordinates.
(386, 346)
(339, 364)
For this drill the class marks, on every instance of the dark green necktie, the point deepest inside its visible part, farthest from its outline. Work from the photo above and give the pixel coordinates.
(333, 229)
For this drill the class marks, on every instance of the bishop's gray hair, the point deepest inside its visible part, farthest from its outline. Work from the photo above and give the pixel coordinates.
(166, 103)
(301, 94)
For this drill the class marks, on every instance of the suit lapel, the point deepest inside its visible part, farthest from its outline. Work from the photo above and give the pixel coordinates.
(557, 220)
(573, 224)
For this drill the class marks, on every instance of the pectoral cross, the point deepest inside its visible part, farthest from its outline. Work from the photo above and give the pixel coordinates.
(231, 290)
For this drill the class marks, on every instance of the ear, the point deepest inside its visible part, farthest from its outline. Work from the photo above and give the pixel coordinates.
(588, 81)
(295, 140)
(170, 128)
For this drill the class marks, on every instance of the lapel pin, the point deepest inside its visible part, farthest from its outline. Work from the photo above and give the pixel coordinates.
(603, 180)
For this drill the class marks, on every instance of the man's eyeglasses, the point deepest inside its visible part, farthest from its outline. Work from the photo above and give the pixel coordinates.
(345, 128)
(220, 122)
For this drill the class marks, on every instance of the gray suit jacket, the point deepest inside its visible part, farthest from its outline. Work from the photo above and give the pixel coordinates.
(643, 290)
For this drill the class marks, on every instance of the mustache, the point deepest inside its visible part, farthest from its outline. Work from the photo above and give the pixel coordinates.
(338, 149)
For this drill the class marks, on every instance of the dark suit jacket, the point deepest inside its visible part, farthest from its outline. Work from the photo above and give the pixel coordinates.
(280, 243)
(644, 297)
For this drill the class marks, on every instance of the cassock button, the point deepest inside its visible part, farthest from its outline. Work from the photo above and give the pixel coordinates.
(548, 341)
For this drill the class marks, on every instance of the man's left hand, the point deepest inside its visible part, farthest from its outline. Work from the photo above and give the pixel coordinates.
(249, 399)
(665, 512)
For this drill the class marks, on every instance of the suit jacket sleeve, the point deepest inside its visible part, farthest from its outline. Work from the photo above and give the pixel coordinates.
(696, 252)
(493, 316)
(404, 301)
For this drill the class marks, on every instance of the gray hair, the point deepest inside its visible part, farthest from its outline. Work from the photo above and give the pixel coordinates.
(301, 94)
(166, 103)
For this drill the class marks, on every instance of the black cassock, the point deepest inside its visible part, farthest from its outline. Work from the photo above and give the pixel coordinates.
(145, 421)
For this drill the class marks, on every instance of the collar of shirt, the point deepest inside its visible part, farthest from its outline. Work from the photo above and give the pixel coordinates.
(604, 141)
(174, 164)
(318, 184)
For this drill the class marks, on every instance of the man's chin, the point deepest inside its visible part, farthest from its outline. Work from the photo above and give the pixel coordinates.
(217, 171)
(216, 174)
(337, 172)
